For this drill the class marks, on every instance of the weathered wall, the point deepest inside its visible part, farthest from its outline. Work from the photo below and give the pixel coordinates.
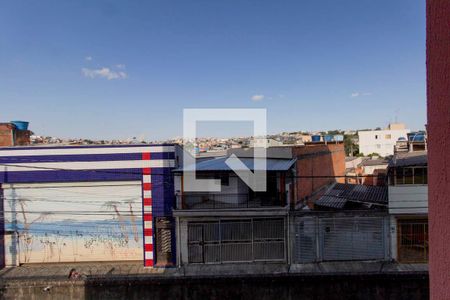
(408, 199)
(6, 134)
(438, 92)
(97, 221)
(411, 287)
(318, 160)
(22, 137)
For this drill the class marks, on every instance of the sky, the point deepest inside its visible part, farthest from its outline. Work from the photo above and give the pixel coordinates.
(119, 69)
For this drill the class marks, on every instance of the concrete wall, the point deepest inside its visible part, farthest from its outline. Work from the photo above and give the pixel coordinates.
(281, 286)
(438, 92)
(376, 141)
(408, 199)
(393, 237)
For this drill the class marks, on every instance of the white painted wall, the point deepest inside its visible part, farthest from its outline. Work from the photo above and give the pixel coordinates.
(72, 222)
(370, 169)
(377, 141)
(408, 199)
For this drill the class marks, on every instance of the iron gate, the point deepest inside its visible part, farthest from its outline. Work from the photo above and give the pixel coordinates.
(413, 240)
(243, 240)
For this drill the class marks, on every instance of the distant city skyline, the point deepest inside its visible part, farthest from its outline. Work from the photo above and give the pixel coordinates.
(116, 70)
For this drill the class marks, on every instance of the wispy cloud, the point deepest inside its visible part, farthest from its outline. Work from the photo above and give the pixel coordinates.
(360, 94)
(88, 58)
(120, 66)
(257, 97)
(104, 73)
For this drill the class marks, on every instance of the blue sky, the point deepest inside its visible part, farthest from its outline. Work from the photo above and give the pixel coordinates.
(117, 69)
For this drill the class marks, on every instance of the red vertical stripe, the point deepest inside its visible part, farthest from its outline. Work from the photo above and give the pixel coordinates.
(148, 232)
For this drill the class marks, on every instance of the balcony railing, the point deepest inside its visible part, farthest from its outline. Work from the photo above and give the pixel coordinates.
(223, 201)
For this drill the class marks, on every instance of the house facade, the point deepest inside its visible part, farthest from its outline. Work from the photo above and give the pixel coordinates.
(408, 206)
(87, 203)
(234, 225)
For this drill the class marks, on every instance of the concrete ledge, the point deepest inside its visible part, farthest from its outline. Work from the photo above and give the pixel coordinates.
(135, 271)
(241, 212)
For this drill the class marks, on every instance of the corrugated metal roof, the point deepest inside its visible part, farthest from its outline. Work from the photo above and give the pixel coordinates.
(331, 201)
(340, 194)
(417, 158)
(218, 164)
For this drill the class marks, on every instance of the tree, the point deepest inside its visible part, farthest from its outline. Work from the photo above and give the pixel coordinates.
(351, 148)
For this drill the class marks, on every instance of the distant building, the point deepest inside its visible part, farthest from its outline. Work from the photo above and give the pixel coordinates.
(267, 143)
(381, 141)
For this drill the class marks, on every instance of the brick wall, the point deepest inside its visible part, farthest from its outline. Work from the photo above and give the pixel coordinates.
(10, 136)
(22, 137)
(318, 160)
(6, 134)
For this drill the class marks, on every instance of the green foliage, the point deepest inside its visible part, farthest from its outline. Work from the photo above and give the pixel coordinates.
(351, 148)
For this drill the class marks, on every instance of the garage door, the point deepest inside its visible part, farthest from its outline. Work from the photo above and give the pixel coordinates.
(73, 222)
(361, 238)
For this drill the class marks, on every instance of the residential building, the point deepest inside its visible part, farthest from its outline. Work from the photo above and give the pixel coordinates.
(354, 170)
(235, 224)
(381, 142)
(239, 225)
(374, 171)
(257, 142)
(87, 203)
(408, 206)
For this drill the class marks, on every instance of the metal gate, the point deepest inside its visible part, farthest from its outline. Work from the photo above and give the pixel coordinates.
(339, 238)
(413, 240)
(242, 240)
(305, 248)
(352, 239)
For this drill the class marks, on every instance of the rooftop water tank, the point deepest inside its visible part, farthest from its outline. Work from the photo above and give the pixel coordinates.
(338, 137)
(315, 138)
(328, 138)
(20, 125)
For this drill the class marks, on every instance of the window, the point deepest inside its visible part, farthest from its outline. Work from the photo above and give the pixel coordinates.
(411, 175)
(225, 180)
(163, 241)
(408, 175)
(387, 136)
(376, 137)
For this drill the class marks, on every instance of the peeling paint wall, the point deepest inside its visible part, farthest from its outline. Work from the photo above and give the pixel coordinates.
(73, 222)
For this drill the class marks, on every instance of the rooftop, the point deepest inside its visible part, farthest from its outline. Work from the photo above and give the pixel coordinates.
(375, 162)
(341, 194)
(407, 159)
(219, 164)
